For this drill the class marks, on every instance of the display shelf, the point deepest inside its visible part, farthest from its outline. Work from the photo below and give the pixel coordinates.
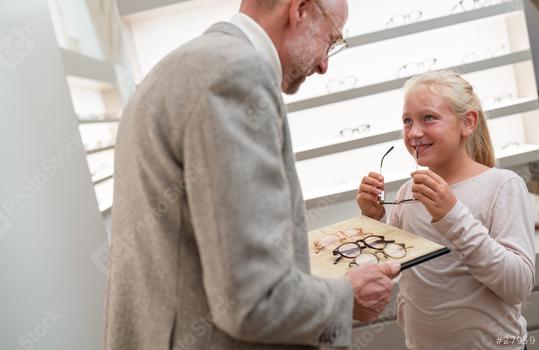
(518, 155)
(435, 23)
(99, 150)
(512, 58)
(100, 121)
(85, 67)
(521, 105)
(103, 193)
(131, 7)
(102, 178)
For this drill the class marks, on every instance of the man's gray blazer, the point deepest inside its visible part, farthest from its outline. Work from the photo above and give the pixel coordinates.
(209, 243)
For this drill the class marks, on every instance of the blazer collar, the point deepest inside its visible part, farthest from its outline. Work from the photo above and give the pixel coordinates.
(269, 54)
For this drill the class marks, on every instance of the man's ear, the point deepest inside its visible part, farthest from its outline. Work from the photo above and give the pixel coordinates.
(469, 123)
(298, 12)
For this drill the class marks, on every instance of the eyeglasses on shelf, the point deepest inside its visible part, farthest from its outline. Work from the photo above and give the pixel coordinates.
(360, 130)
(467, 5)
(346, 83)
(415, 68)
(402, 19)
(503, 97)
(489, 52)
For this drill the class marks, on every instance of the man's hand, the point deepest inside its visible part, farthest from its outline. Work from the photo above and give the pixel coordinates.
(372, 286)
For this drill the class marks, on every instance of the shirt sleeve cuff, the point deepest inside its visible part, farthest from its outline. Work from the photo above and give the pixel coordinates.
(339, 331)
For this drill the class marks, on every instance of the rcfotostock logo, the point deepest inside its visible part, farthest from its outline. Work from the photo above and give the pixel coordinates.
(19, 44)
(5, 224)
(256, 109)
(15, 47)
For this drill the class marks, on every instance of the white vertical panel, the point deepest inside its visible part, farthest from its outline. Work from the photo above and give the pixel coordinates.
(50, 227)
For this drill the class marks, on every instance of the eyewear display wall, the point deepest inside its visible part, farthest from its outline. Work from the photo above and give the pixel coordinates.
(97, 110)
(417, 53)
(342, 122)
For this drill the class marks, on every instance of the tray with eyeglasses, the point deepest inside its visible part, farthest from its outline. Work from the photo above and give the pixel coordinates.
(360, 240)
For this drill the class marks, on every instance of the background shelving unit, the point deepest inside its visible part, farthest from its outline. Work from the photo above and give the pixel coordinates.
(95, 92)
(98, 107)
(489, 45)
(331, 166)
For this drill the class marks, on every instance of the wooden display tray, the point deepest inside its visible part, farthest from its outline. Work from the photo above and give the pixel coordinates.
(322, 263)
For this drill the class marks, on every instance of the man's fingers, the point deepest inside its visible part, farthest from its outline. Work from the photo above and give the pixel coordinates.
(391, 270)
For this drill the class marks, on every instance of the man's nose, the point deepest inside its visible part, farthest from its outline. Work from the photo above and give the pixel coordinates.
(322, 67)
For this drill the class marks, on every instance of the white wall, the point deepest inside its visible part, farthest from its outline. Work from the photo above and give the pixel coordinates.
(51, 232)
(156, 33)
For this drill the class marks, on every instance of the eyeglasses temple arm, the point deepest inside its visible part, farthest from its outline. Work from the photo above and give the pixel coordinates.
(382, 196)
(382, 161)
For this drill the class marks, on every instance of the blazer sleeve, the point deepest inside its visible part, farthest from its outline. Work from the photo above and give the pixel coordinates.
(242, 218)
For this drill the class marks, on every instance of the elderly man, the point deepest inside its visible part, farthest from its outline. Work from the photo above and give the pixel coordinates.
(209, 243)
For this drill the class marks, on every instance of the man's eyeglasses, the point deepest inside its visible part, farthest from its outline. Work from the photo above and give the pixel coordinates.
(379, 245)
(341, 43)
(382, 197)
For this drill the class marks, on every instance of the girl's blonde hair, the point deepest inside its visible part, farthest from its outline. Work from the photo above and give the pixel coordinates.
(461, 98)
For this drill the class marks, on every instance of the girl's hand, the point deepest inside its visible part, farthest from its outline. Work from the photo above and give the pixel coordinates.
(435, 194)
(367, 196)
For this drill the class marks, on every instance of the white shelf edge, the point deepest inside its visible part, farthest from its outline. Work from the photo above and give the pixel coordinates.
(101, 121)
(103, 179)
(85, 67)
(99, 150)
(319, 101)
(350, 193)
(133, 7)
(499, 112)
(435, 23)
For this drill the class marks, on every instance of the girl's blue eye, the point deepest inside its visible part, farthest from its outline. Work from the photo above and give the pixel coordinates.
(407, 121)
(428, 117)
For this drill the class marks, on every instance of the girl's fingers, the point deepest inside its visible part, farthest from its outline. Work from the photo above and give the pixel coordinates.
(426, 201)
(376, 176)
(430, 174)
(426, 180)
(369, 197)
(424, 191)
(369, 189)
(373, 181)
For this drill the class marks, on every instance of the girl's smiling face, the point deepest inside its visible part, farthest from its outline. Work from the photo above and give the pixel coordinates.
(431, 129)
